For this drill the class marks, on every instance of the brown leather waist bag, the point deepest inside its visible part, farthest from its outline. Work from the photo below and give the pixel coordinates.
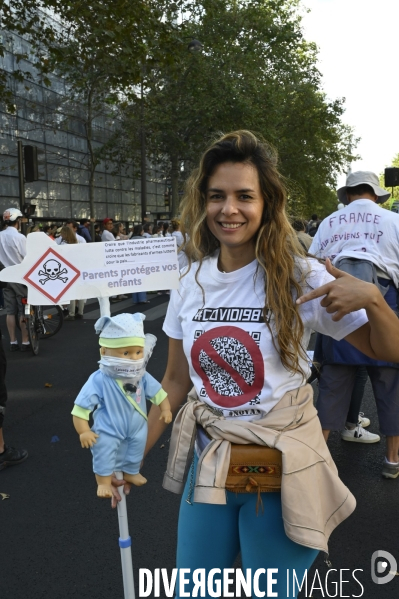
(254, 469)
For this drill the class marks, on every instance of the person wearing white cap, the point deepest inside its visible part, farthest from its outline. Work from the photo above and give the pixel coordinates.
(362, 239)
(13, 251)
(119, 390)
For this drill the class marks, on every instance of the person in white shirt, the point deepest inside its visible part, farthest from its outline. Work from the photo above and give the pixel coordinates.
(175, 223)
(108, 225)
(157, 231)
(68, 237)
(147, 230)
(238, 328)
(73, 225)
(119, 232)
(362, 229)
(13, 251)
(362, 239)
(165, 227)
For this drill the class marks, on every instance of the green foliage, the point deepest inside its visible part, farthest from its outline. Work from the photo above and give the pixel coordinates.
(129, 58)
(256, 72)
(99, 50)
(24, 18)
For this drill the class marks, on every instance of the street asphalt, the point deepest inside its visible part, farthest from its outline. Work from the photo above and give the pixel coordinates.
(59, 541)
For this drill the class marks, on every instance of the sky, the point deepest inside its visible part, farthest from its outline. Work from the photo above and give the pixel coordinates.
(358, 44)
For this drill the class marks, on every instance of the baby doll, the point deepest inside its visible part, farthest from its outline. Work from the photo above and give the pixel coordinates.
(119, 390)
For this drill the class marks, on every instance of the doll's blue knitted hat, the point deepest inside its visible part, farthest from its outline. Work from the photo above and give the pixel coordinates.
(123, 330)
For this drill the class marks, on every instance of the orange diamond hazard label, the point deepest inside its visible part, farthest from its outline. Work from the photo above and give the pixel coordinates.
(52, 275)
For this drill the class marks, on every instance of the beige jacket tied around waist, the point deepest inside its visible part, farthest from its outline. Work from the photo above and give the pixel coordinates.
(314, 500)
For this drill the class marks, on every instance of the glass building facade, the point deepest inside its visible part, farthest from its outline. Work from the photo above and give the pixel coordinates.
(62, 190)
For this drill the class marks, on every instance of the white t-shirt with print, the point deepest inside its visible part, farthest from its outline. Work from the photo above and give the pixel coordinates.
(233, 363)
(361, 230)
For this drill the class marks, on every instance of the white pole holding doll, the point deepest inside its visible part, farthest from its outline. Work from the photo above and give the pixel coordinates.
(120, 387)
(125, 541)
(125, 544)
(119, 390)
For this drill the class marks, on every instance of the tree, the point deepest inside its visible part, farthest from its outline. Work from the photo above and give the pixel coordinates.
(256, 72)
(98, 49)
(28, 19)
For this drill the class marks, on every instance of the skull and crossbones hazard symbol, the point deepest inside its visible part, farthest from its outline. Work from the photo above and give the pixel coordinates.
(52, 275)
(52, 271)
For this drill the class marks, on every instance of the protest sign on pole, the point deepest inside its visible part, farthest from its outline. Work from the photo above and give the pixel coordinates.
(59, 273)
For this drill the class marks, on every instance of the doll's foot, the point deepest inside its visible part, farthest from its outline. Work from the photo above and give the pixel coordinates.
(104, 491)
(135, 479)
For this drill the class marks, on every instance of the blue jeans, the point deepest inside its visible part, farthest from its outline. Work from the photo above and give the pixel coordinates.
(140, 296)
(211, 536)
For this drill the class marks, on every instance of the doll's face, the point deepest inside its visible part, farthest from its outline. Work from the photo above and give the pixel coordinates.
(133, 352)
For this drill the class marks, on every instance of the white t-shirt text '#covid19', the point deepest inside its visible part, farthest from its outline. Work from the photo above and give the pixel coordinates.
(361, 230)
(233, 363)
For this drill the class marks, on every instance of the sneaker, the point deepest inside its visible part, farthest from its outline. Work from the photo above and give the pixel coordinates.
(363, 421)
(390, 470)
(78, 316)
(25, 347)
(69, 317)
(359, 435)
(12, 456)
(14, 347)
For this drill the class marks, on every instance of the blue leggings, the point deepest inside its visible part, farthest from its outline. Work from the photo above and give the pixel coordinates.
(211, 536)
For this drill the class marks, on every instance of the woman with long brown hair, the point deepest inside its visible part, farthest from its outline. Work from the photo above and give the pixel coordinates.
(247, 449)
(67, 236)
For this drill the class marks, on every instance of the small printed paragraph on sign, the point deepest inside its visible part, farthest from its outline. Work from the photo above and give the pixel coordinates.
(140, 250)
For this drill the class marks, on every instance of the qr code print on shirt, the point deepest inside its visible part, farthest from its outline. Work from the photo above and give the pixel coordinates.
(237, 356)
(254, 401)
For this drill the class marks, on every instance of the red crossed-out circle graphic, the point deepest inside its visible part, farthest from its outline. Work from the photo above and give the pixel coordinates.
(203, 343)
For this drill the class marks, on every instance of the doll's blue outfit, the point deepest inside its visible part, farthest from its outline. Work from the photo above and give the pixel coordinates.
(120, 420)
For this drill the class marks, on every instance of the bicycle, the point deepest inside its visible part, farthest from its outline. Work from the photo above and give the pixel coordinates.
(41, 322)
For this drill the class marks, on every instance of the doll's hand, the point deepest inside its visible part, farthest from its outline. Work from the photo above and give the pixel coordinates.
(166, 415)
(88, 439)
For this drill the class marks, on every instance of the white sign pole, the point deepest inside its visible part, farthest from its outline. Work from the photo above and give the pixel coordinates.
(125, 541)
(125, 544)
(105, 307)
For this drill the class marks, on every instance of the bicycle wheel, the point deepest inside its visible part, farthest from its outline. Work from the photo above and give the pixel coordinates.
(34, 327)
(53, 319)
